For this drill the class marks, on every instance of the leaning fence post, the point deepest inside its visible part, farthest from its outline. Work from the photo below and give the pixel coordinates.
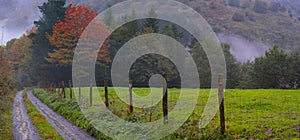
(165, 99)
(70, 86)
(106, 93)
(63, 88)
(221, 101)
(91, 93)
(130, 97)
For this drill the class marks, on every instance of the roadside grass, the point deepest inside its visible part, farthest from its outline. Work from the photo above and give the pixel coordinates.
(250, 114)
(44, 128)
(6, 109)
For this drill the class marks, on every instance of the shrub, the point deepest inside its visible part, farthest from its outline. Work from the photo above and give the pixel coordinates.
(238, 17)
(274, 7)
(260, 6)
(234, 3)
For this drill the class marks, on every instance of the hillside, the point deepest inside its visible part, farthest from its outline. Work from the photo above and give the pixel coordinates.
(256, 25)
(263, 25)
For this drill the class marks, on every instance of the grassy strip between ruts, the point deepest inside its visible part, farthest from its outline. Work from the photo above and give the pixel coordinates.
(69, 110)
(6, 103)
(45, 129)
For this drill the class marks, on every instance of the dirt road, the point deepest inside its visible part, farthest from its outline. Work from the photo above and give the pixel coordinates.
(23, 129)
(67, 129)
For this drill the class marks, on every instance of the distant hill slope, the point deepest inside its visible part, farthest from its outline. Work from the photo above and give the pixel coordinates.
(264, 21)
(292, 5)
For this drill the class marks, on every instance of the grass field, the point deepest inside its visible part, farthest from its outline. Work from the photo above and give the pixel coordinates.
(250, 114)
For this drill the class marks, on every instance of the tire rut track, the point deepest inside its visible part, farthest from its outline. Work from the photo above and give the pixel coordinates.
(67, 129)
(23, 129)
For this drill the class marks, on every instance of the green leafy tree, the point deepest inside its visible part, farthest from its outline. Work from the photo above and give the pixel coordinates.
(203, 66)
(272, 70)
(247, 79)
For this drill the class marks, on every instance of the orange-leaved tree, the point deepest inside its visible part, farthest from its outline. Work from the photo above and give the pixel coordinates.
(66, 34)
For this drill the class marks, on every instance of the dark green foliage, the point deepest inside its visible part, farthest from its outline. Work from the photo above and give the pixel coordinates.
(151, 22)
(276, 70)
(233, 68)
(274, 7)
(44, 71)
(260, 6)
(238, 17)
(234, 3)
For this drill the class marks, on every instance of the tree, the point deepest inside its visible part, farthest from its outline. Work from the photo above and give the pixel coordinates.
(66, 34)
(44, 71)
(272, 71)
(234, 3)
(5, 75)
(109, 19)
(202, 63)
(260, 6)
(238, 17)
(233, 68)
(294, 69)
(152, 22)
(274, 7)
(247, 79)
(20, 57)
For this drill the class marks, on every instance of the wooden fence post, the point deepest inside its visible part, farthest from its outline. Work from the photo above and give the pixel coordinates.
(63, 88)
(54, 89)
(79, 90)
(50, 88)
(106, 93)
(165, 99)
(59, 88)
(91, 93)
(70, 86)
(221, 101)
(130, 97)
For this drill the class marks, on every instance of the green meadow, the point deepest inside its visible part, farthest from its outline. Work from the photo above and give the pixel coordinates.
(249, 114)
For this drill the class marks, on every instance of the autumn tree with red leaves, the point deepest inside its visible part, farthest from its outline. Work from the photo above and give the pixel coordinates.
(66, 34)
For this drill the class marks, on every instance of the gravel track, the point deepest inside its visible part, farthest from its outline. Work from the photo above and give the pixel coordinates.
(67, 129)
(23, 129)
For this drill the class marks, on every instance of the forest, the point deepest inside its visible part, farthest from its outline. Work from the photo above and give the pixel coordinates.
(44, 54)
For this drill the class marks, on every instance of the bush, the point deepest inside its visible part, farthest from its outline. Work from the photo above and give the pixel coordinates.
(238, 17)
(260, 6)
(274, 7)
(234, 3)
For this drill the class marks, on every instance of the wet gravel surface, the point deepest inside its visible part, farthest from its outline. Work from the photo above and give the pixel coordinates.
(67, 129)
(23, 129)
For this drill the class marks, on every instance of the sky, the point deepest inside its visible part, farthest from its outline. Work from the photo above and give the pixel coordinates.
(17, 16)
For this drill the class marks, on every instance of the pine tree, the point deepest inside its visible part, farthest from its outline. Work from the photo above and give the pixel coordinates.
(44, 71)
(152, 22)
